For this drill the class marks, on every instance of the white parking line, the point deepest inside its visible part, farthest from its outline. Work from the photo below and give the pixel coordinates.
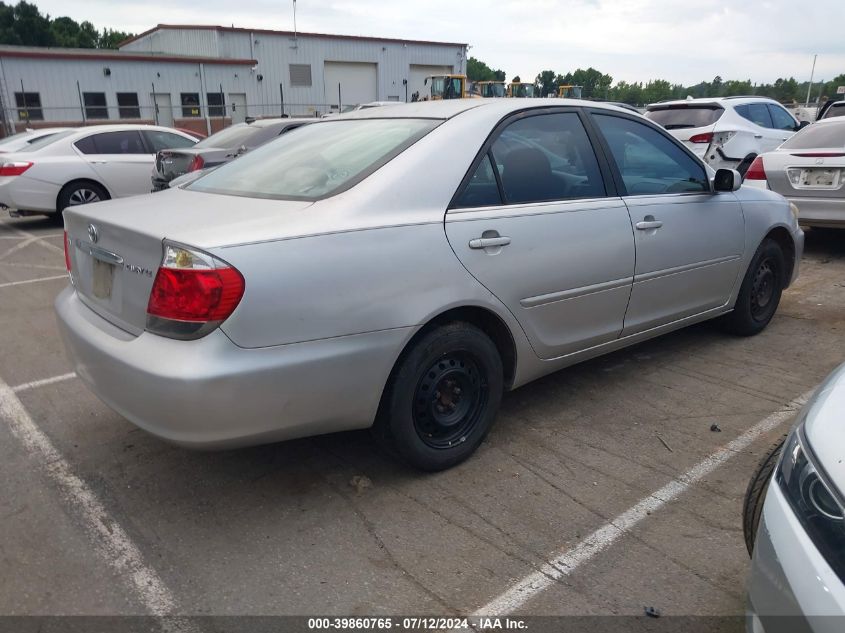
(43, 382)
(31, 281)
(568, 561)
(109, 538)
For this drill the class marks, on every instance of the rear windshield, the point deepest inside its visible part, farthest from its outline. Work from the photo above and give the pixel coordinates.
(44, 141)
(230, 138)
(835, 110)
(318, 161)
(818, 136)
(677, 117)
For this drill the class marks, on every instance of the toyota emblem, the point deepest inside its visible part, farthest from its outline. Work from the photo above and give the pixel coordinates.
(93, 233)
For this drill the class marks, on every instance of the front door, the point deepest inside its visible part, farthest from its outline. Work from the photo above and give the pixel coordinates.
(237, 101)
(163, 109)
(534, 224)
(689, 241)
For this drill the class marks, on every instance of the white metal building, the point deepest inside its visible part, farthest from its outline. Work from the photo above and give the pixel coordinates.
(203, 77)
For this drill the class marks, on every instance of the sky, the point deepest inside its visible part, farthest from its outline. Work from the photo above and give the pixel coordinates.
(683, 41)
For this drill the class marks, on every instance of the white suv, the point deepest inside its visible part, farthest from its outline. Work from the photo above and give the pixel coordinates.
(726, 132)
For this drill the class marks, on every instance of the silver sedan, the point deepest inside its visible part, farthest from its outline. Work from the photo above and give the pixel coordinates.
(809, 170)
(401, 267)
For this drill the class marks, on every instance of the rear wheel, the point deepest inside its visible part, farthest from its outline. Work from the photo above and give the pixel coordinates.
(80, 192)
(442, 398)
(755, 494)
(760, 292)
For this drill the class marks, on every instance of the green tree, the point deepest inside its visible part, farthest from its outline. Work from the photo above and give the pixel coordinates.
(546, 83)
(479, 71)
(110, 38)
(516, 79)
(595, 84)
(23, 24)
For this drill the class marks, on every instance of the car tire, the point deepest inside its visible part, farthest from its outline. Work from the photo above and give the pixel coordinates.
(745, 163)
(80, 192)
(755, 494)
(760, 292)
(442, 397)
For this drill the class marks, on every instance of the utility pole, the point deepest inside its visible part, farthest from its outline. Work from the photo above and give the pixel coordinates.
(809, 88)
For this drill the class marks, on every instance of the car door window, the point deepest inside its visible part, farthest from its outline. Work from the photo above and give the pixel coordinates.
(648, 162)
(546, 157)
(781, 119)
(757, 113)
(482, 190)
(158, 140)
(128, 142)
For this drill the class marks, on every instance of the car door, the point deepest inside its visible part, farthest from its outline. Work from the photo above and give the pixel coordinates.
(783, 123)
(689, 240)
(535, 223)
(766, 137)
(120, 159)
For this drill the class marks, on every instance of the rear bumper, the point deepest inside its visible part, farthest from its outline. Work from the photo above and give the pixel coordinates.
(791, 587)
(821, 212)
(28, 194)
(210, 393)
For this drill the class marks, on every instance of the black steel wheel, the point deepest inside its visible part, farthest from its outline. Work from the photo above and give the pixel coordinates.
(759, 294)
(442, 397)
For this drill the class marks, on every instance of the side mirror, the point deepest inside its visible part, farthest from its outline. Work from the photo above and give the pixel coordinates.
(727, 180)
(802, 125)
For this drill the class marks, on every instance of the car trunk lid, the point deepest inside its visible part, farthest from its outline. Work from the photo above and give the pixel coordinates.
(170, 163)
(806, 173)
(115, 247)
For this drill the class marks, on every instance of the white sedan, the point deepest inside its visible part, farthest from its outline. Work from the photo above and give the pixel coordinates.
(84, 165)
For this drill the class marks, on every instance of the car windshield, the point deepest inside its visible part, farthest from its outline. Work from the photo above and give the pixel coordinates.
(818, 136)
(230, 138)
(318, 161)
(44, 141)
(676, 117)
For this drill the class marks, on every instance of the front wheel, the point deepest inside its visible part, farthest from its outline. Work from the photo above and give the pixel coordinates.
(760, 292)
(443, 397)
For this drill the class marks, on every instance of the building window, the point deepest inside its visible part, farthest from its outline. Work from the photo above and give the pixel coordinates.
(190, 104)
(127, 105)
(95, 105)
(29, 106)
(216, 104)
(300, 75)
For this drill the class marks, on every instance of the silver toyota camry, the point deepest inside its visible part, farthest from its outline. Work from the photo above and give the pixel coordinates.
(401, 267)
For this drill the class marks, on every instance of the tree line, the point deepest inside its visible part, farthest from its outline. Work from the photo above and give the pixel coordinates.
(23, 24)
(598, 85)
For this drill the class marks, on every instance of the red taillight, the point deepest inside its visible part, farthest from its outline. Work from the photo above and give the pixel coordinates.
(195, 295)
(15, 168)
(756, 170)
(196, 164)
(67, 254)
(707, 137)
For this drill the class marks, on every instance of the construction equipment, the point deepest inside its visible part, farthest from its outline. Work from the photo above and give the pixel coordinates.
(490, 88)
(521, 89)
(446, 87)
(568, 91)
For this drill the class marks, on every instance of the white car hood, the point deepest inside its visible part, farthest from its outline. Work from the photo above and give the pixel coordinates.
(825, 427)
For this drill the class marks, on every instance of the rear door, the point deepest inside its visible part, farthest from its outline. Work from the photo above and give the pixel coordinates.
(535, 223)
(121, 160)
(766, 137)
(689, 241)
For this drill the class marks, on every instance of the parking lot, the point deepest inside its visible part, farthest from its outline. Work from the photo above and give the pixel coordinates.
(602, 488)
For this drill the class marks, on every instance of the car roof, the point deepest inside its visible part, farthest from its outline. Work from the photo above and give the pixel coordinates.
(446, 109)
(720, 101)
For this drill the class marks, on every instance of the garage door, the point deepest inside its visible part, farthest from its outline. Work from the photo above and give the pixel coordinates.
(358, 82)
(418, 75)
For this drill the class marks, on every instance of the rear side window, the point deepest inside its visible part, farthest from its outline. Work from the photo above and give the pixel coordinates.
(757, 113)
(676, 117)
(128, 142)
(781, 119)
(482, 190)
(320, 160)
(649, 162)
(825, 136)
(159, 140)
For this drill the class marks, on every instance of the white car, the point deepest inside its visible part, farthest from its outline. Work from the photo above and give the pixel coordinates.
(361, 106)
(727, 132)
(22, 140)
(84, 165)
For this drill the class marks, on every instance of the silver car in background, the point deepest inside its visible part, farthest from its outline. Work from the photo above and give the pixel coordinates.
(795, 525)
(809, 170)
(401, 267)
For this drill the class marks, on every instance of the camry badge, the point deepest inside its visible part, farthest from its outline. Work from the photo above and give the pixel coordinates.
(93, 234)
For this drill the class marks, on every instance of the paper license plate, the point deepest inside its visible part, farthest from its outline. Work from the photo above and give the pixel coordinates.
(103, 274)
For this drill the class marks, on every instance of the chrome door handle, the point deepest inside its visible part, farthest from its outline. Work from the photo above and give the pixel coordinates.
(649, 224)
(758, 136)
(487, 242)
